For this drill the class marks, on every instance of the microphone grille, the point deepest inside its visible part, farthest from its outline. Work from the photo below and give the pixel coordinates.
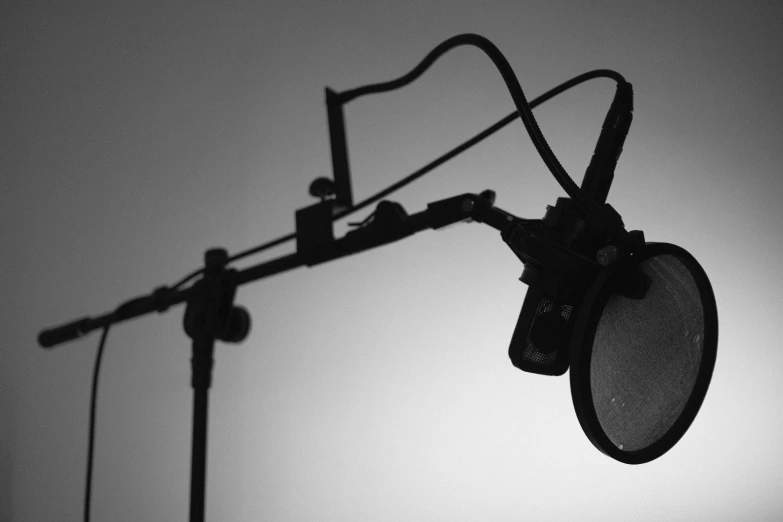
(540, 343)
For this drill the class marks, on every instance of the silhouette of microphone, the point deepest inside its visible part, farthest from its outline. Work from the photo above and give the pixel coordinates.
(559, 255)
(636, 322)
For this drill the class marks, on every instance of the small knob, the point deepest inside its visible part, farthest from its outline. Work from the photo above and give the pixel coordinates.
(237, 325)
(322, 188)
(489, 195)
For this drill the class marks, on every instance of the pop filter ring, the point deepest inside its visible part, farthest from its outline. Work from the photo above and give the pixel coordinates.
(585, 328)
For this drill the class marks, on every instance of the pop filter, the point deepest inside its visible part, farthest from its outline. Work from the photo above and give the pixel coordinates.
(643, 351)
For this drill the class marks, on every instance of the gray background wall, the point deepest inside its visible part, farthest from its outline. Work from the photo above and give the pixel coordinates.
(135, 135)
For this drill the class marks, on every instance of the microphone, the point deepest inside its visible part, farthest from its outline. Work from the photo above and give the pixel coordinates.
(559, 255)
(636, 322)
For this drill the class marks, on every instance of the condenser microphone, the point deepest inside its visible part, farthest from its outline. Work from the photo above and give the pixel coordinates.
(558, 275)
(560, 255)
(636, 322)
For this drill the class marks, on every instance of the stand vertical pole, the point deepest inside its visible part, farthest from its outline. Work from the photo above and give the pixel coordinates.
(202, 375)
(204, 322)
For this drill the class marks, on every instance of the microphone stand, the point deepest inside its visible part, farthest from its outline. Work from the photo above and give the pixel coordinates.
(210, 314)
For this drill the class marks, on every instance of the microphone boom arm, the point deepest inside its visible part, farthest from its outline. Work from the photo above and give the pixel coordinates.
(389, 223)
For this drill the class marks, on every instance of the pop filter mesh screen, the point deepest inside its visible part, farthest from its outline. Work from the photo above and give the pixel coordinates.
(646, 355)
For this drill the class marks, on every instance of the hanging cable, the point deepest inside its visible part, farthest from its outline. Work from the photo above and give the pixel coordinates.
(512, 84)
(91, 434)
(598, 73)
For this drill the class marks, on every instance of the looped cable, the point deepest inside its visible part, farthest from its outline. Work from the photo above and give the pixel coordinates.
(517, 95)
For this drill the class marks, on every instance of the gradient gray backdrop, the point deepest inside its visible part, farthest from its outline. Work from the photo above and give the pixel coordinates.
(135, 135)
